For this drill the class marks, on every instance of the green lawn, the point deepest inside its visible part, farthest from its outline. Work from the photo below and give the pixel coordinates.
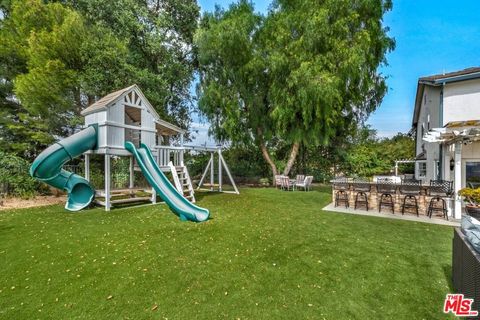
(265, 254)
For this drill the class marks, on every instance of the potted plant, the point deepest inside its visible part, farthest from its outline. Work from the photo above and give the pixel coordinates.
(472, 196)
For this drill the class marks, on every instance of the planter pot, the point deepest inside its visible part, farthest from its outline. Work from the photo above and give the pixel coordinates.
(473, 211)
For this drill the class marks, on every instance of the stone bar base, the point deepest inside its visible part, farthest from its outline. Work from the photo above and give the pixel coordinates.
(423, 201)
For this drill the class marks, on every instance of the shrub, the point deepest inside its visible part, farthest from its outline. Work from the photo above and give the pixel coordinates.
(264, 182)
(471, 195)
(15, 178)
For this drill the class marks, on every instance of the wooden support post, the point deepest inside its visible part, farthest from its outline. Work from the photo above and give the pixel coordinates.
(446, 163)
(107, 182)
(132, 176)
(204, 174)
(154, 196)
(212, 170)
(219, 169)
(87, 167)
(458, 180)
(182, 150)
(229, 174)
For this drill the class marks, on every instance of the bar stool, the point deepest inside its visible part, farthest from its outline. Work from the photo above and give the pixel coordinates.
(386, 189)
(439, 189)
(410, 189)
(362, 186)
(340, 185)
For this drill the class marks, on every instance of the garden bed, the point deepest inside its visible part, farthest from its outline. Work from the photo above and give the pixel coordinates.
(37, 201)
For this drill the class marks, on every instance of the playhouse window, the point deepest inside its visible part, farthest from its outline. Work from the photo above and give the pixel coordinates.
(133, 116)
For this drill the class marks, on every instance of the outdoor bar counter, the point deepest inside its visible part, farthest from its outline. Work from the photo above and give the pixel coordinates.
(424, 196)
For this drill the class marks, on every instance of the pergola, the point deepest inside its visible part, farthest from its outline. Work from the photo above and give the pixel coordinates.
(397, 162)
(456, 134)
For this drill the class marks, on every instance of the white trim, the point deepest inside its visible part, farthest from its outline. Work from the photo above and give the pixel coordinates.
(126, 126)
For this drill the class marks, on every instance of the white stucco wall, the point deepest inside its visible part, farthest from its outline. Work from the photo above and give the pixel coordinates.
(429, 117)
(461, 101)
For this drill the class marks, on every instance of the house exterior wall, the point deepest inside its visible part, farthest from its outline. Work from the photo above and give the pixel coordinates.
(461, 101)
(429, 117)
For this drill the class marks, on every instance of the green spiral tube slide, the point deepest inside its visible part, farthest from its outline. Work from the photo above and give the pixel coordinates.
(183, 208)
(47, 167)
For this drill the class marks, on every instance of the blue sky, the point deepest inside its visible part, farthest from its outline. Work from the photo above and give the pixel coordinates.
(431, 37)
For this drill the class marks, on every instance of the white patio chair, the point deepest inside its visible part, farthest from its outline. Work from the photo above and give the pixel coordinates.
(300, 178)
(278, 181)
(307, 182)
(286, 185)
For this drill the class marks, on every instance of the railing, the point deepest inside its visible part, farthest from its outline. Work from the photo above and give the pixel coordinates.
(165, 154)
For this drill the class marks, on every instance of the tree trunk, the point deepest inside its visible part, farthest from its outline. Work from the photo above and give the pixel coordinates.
(266, 154)
(291, 158)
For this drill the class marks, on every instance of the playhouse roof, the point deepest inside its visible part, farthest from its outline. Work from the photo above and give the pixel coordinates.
(110, 99)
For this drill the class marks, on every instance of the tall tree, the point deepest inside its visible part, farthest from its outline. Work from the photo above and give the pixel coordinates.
(301, 75)
(369, 155)
(158, 35)
(59, 56)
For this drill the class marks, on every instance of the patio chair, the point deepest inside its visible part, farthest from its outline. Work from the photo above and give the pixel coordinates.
(300, 178)
(278, 181)
(439, 190)
(410, 189)
(386, 189)
(362, 187)
(305, 184)
(340, 187)
(286, 185)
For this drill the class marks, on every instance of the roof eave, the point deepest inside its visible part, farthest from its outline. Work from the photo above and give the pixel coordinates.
(170, 126)
(86, 112)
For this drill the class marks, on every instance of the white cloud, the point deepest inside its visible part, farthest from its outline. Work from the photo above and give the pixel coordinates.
(386, 133)
(200, 134)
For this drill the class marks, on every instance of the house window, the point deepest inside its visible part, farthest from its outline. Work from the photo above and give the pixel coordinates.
(472, 174)
(422, 169)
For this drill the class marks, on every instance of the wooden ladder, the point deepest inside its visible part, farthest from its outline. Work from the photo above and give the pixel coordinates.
(182, 181)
